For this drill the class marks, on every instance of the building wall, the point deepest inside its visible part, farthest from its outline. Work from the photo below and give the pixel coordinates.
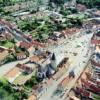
(54, 65)
(95, 63)
(94, 41)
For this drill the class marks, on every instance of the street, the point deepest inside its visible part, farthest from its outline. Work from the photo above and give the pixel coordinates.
(77, 65)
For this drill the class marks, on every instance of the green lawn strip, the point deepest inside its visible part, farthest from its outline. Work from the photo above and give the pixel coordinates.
(96, 97)
(8, 44)
(22, 77)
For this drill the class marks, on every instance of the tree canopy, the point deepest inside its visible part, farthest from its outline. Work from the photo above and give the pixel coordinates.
(90, 3)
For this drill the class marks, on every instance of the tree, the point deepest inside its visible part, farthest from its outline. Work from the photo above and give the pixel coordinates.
(6, 2)
(33, 81)
(2, 94)
(8, 88)
(3, 82)
(90, 3)
(56, 2)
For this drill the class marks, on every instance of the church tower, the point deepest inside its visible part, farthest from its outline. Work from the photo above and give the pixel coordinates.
(53, 62)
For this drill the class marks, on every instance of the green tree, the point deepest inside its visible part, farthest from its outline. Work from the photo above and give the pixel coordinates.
(90, 3)
(3, 94)
(33, 81)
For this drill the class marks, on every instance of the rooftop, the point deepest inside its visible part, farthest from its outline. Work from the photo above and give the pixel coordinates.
(35, 58)
(97, 48)
(32, 97)
(12, 74)
(1, 50)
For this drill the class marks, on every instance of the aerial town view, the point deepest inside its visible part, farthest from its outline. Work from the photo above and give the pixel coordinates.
(49, 49)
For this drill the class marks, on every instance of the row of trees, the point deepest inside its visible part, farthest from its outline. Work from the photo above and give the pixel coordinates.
(90, 3)
(57, 3)
(31, 82)
(8, 93)
(10, 2)
(6, 2)
(42, 29)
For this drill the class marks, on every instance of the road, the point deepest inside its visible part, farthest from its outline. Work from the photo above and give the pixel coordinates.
(77, 65)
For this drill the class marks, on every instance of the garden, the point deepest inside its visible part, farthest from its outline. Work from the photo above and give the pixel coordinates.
(8, 93)
(42, 29)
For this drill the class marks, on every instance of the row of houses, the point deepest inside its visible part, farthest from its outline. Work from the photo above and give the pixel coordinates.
(3, 54)
(4, 34)
(89, 83)
(92, 85)
(94, 82)
(20, 74)
(95, 60)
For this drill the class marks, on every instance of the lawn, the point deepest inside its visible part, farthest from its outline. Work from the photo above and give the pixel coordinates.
(96, 97)
(22, 78)
(8, 44)
(8, 93)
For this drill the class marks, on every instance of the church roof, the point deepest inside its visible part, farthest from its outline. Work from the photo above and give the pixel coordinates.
(53, 57)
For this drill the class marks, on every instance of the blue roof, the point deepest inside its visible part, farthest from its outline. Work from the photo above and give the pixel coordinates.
(98, 55)
(98, 33)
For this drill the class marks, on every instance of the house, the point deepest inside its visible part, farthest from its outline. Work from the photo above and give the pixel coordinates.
(25, 45)
(2, 38)
(83, 92)
(74, 98)
(24, 68)
(96, 59)
(12, 74)
(20, 55)
(32, 97)
(4, 31)
(90, 85)
(80, 7)
(5, 36)
(37, 51)
(8, 35)
(97, 13)
(39, 56)
(37, 44)
(96, 38)
(63, 62)
(68, 32)
(3, 54)
(70, 3)
(1, 50)
(34, 58)
(95, 62)
(53, 37)
(46, 70)
(59, 34)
